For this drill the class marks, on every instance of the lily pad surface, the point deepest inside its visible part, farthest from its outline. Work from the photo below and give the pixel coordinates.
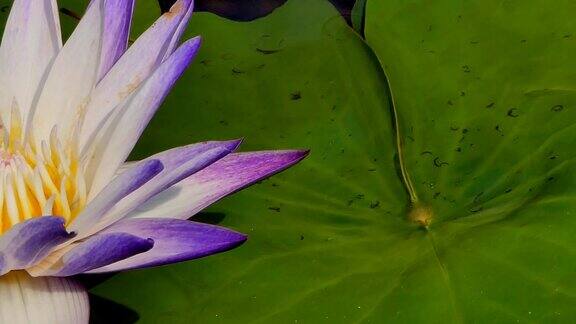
(483, 140)
(486, 102)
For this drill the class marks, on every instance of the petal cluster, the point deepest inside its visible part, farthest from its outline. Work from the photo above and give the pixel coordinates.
(71, 113)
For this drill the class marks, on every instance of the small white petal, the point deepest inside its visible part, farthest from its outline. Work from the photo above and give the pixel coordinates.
(25, 299)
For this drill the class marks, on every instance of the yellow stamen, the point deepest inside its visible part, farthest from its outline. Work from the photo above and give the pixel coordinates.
(37, 181)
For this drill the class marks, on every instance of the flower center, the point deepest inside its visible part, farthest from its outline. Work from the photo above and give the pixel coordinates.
(37, 179)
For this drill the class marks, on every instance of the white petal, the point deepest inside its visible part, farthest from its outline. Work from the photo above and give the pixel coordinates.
(42, 300)
(30, 43)
(72, 78)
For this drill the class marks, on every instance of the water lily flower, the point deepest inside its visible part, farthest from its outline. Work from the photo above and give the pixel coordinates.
(70, 116)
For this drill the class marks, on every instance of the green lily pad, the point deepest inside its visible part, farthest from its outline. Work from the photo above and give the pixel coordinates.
(485, 103)
(358, 15)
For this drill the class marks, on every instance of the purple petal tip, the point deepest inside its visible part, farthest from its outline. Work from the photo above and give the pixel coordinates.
(303, 153)
(294, 156)
(233, 145)
(154, 166)
(193, 44)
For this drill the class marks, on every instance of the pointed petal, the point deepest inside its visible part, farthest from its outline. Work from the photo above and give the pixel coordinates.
(117, 18)
(28, 242)
(179, 163)
(136, 65)
(174, 241)
(98, 251)
(124, 129)
(71, 79)
(185, 9)
(30, 43)
(120, 187)
(228, 175)
(178, 156)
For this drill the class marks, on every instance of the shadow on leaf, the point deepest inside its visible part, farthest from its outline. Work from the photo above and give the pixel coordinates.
(103, 310)
(209, 218)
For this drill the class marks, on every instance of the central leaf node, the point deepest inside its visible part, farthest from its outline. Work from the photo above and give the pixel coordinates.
(421, 215)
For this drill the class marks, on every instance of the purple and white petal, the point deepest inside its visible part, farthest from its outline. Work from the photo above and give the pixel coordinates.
(175, 240)
(72, 78)
(30, 43)
(28, 242)
(116, 33)
(179, 163)
(178, 156)
(185, 9)
(98, 251)
(120, 135)
(140, 60)
(228, 175)
(120, 187)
